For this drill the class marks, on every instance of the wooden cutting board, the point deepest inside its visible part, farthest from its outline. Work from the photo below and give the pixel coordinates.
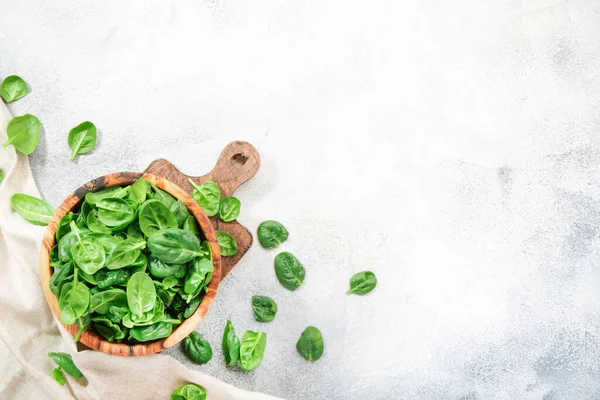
(239, 161)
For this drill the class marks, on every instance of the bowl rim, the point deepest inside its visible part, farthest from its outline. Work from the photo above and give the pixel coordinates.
(89, 337)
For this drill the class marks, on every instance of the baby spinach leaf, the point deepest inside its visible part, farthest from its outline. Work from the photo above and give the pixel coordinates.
(101, 301)
(1, 176)
(147, 318)
(142, 320)
(34, 210)
(227, 243)
(159, 269)
(88, 278)
(178, 305)
(109, 330)
(140, 264)
(83, 323)
(94, 224)
(271, 234)
(125, 254)
(252, 349)
(107, 279)
(362, 283)
(65, 361)
(208, 196)
(155, 331)
(166, 296)
(141, 293)
(64, 246)
(170, 281)
(134, 232)
(54, 260)
(206, 249)
(138, 191)
(60, 276)
(163, 197)
(93, 198)
(181, 213)
(196, 274)
(82, 139)
(116, 314)
(190, 225)
(13, 88)
(310, 345)
(58, 376)
(230, 344)
(63, 226)
(81, 219)
(289, 271)
(107, 241)
(192, 307)
(73, 301)
(229, 209)
(155, 216)
(189, 392)
(23, 133)
(264, 308)
(88, 254)
(106, 332)
(197, 348)
(114, 212)
(175, 246)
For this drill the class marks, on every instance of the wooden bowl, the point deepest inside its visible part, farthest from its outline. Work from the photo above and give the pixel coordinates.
(90, 338)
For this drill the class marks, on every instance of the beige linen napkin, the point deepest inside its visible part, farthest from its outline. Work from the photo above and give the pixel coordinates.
(28, 330)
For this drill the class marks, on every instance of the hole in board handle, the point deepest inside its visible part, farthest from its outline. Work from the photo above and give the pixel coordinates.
(238, 160)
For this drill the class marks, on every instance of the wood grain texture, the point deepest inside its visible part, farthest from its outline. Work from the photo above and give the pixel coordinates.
(239, 161)
(90, 338)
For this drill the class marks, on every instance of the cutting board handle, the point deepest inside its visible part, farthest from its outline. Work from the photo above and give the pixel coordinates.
(239, 161)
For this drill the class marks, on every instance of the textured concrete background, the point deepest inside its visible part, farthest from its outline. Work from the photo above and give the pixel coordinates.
(450, 146)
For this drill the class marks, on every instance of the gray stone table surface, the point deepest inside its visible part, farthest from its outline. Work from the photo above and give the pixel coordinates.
(453, 147)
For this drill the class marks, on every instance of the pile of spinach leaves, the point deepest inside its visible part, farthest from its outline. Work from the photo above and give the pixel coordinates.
(130, 264)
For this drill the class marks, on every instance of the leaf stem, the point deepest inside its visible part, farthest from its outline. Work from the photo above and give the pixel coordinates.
(80, 331)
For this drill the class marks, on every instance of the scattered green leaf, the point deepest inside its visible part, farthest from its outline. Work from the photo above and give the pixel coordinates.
(252, 349)
(189, 392)
(310, 345)
(264, 308)
(197, 348)
(227, 243)
(271, 234)
(289, 271)
(230, 345)
(65, 362)
(208, 196)
(13, 88)
(34, 210)
(58, 376)
(82, 139)
(362, 283)
(23, 133)
(229, 209)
